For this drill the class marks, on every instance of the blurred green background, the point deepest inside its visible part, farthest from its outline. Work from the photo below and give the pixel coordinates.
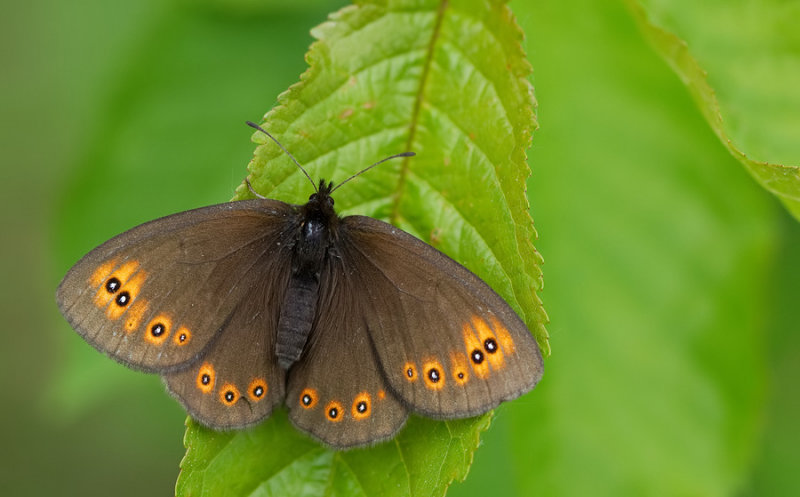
(671, 276)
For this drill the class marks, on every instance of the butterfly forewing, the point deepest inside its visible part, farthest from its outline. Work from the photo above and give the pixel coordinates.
(337, 391)
(155, 296)
(449, 346)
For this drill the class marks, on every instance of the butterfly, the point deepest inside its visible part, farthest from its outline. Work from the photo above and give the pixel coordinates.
(350, 322)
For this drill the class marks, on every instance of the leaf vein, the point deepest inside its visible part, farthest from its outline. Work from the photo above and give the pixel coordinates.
(412, 127)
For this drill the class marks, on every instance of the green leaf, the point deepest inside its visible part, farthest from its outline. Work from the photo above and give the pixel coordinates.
(275, 459)
(739, 62)
(449, 82)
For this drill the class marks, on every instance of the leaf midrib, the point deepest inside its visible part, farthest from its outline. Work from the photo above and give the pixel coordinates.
(412, 128)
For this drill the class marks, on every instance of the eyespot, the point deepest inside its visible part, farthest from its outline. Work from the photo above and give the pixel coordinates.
(158, 329)
(257, 389)
(410, 371)
(434, 375)
(105, 278)
(488, 342)
(458, 364)
(112, 285)
(123, 299)
(334, 412)
(362, 406)
(205, 378)
(308, 398)
(228, 394)
(109, 283)
(126, 293)
(476, 356)
(182, 337)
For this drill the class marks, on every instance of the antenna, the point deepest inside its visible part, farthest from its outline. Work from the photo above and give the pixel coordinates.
(256, 126)
(404, 154)
(250, 187)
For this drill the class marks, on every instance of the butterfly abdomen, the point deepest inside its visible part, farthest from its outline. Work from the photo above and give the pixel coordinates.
(297, 316)
(317, 220)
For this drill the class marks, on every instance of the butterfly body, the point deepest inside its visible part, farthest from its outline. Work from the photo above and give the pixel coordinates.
(316, 223)
(349, 322)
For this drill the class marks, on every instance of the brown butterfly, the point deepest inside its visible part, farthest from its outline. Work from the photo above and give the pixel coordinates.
(351, 322)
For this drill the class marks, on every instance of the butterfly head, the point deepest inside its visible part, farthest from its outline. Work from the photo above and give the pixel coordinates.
(321, 199)
(323, 193)
(320, 204)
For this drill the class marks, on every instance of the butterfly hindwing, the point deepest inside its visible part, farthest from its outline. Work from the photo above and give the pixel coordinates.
(155, 296)
(238, 382)
(337, 391)
(448, 345)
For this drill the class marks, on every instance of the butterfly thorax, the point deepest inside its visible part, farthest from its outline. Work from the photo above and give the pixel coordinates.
(317, 225)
